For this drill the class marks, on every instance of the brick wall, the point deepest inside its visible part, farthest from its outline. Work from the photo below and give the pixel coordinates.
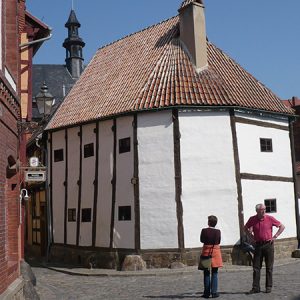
(9, 145)
(9, 189)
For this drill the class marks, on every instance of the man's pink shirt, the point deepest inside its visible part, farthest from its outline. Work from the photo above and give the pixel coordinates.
(262, 228)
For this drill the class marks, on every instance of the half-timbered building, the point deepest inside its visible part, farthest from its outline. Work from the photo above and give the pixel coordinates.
(161, 130)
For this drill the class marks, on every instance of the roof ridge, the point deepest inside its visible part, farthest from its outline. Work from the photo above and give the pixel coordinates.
(139, 31)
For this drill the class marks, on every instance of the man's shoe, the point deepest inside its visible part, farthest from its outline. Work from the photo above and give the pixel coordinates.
(205, 296)
(268, 290)
(254, 291)
(216, 295)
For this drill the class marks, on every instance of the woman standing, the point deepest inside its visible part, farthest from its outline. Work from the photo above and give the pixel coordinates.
(211, 239)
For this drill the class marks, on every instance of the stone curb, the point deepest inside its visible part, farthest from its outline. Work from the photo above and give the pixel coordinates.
(153, 272)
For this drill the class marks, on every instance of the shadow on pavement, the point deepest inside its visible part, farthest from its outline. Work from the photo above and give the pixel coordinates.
(179, 296)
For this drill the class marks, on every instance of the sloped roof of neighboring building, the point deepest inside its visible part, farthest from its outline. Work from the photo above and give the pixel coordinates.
(292, 102)
(150, 69)
(58, 80)
(41, 30)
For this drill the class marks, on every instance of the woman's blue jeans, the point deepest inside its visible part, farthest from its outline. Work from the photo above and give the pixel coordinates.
(210, 284)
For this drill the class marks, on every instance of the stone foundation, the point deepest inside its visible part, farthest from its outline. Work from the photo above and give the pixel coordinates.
(113, 259)
(14, 291)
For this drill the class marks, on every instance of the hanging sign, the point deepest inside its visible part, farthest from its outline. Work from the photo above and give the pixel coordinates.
(35, 176)
(34, 161)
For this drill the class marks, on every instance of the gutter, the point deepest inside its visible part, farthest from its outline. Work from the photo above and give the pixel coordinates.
(37, 41)
(206, 107)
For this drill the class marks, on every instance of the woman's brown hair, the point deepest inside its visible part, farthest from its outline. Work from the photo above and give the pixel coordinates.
(212, 221)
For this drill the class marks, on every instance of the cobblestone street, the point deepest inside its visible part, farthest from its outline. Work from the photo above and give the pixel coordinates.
(233, 284)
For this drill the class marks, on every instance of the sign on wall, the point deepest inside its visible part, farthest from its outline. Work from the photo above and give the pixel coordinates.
(35, 176)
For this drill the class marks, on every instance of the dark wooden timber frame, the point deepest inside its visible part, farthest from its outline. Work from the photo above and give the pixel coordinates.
(114, 179)
(136, 187)
(96, 182)
(237, 171)
(178, 179)
(66, 187)
(51, 187)
(295, 180)
(79, 182)
(265, 177)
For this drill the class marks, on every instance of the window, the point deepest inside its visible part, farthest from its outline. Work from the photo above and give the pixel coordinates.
(270, 205)
(86, 215)
(88, 150)
(124, 213)
(58, 155)
(266, 145)
(124, 145)
(72, 215)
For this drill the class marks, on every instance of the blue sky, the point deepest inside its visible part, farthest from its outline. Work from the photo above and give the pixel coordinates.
(261, 35)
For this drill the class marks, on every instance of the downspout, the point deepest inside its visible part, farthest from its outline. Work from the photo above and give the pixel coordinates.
(37, 41)
(295, 179)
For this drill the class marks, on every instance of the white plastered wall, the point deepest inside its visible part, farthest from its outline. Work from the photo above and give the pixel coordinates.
(276, 163)
(73, 177)
(256, 191)
(104, 202)
(87, 184)
(253, 161)
(58, 188)
(158, 219)
(124, 230)
(208, 175)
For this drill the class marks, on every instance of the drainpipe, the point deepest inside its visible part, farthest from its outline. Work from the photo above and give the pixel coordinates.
(37, 41)
(291, 121)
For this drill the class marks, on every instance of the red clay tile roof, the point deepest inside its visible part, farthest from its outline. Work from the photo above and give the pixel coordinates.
(150, 69)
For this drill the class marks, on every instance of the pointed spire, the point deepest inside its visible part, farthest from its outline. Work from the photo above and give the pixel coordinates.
(74, 44)
(72, 20)
(187, 2)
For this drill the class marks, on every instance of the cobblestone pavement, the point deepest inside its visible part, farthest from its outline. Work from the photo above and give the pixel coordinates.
(233, 284)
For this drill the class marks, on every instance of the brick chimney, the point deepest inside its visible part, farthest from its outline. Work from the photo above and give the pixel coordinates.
(193, 31)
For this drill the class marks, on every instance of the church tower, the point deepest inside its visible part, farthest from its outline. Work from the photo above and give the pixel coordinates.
(73, 44)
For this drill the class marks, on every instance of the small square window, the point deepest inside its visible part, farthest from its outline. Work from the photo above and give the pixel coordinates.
(88, 150)
(58, 155)
(124, 213)
(72, 215)
(86, 215)
(271, 206)
(124, 145)
(266, 145)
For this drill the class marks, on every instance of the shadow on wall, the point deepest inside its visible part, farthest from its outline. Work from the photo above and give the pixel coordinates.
(11, 168)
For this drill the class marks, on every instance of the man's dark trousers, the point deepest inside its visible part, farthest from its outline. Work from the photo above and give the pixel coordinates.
(263, 251)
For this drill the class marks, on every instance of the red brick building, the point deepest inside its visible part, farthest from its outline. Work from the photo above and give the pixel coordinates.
(15, 85)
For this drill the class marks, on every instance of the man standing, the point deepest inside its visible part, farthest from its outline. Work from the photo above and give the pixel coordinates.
(259, 228)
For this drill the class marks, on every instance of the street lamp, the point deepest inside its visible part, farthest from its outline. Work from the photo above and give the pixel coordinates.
(23, 195)
(44, 101)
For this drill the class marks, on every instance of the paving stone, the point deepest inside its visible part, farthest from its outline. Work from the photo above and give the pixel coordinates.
(234, 283)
